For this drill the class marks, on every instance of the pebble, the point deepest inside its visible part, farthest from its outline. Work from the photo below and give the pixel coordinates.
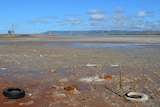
(53, 70)
(41, 55)
(75, 91)
(156, 73)
(158, 91)
(60, 96)
(72, 89)
(30, 94)
(106, 77)
(56, 87)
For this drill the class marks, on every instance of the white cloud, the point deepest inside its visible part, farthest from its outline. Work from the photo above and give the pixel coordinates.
(74, 21)
(95, 23)
(120, 17)
(97, 17)
(141, 14)
(42, 19)
(96, 14)
(37, 20)
(95, 11)
(61, 22)
(119, 9)
(53, 17)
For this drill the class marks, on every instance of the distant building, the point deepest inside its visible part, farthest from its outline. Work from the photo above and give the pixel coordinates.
(10, 32)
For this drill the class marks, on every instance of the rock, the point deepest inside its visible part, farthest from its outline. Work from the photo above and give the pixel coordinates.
(56, 87)
(41, 56)
(60, 96)
(72, 89)
(75, 91)
(156, 73)
(53, 70)
(149, 79)
(27, 103)
(106, 76)
(158, 91)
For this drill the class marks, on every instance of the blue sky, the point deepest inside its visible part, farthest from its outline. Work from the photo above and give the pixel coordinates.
(36, 16)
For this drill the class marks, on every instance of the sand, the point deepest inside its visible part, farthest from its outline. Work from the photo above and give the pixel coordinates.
(45, 66)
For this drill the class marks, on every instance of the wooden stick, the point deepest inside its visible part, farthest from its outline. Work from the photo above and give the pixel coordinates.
(120, 77)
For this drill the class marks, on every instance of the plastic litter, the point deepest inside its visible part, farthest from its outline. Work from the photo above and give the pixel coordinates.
(115, 65)
(92, 79)
(92, 65)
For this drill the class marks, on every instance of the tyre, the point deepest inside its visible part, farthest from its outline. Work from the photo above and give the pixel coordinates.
(136, 96)
(14, 93)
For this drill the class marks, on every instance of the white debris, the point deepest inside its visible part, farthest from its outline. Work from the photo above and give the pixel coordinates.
(41, 56)
(92, 79)
(3, 68)
(92, 65)
(115, 65)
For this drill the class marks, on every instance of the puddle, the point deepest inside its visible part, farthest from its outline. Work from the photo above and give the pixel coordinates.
(102, 45)
(64, 72)
(158, 55)
(20, 72)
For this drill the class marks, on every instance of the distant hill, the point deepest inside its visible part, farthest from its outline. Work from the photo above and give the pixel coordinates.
(104, 32)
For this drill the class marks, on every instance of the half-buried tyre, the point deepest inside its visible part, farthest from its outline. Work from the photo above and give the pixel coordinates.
(136, 96)
(14, 93)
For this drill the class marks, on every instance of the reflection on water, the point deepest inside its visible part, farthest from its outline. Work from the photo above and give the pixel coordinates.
(102, 45)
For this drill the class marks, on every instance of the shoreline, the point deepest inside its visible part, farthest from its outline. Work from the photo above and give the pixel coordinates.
(88, 39)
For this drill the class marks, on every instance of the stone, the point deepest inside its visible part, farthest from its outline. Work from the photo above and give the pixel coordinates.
(56, 87)
(106, 77)
(158, 91)
(53, 70)
(72, 89)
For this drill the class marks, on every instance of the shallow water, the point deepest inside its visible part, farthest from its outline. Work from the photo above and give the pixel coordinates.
(102, 45)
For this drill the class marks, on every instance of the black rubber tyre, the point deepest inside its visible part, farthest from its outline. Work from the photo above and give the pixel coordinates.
(14, 93)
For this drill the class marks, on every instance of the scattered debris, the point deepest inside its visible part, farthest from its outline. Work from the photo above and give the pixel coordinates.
(115, 65)
(92, 79)
(92, 65)
(3, 68)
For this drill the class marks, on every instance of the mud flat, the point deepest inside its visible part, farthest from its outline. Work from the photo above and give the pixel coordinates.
(52, 70)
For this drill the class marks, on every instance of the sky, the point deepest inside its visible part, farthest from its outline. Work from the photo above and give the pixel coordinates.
(37, 16)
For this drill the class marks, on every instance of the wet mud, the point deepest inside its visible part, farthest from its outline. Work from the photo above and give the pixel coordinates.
(51, 74)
